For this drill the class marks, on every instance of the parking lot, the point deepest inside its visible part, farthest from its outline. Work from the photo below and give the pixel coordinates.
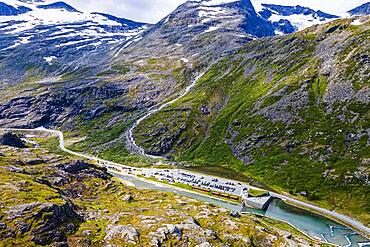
(195, 180)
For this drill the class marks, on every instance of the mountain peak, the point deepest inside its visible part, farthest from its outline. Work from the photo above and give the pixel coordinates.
(288, 19)
(123, 21)
(215, 2)
(58, 5)
(364, 9)
(222, 15)
(296, 10)
(8, 10)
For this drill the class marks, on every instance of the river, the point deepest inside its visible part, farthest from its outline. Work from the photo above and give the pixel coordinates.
(312, 224)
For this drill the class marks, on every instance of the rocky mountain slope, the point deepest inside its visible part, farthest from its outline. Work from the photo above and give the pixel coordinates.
(61, 66)
(291, 111)
(119, 84)
(48, 41)
(364, 9)
(52, 200)
(288, 19)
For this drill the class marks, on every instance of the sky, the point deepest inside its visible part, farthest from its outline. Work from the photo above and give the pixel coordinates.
(152, 11)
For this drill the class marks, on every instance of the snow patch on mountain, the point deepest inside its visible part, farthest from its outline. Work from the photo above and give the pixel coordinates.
(215, 2)
(288, 19)
(299, 21)
(364, 9)
(49, 59)
(358, 21)
(209, 14)
(211, 29)
(61, 25)
(58, 5)
(53, 17)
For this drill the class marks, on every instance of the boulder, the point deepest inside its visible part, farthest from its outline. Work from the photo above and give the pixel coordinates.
(33, 162)
(127, 198)
(51, 218)
(70, 228)
(204, 110)
(86, 232)
(127, 233)
(62, 244)
(14, 169)
(210, 234)
(191, 221)
(57, 180)
(97, 173)
(12, 140)
(161, 234)
(74, 167)
(235, 214)
(205, 244)
(155, 242)
(23, 227)
(3, 226)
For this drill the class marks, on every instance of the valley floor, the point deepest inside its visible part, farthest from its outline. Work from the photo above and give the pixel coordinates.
(49, 198)
(116, 167)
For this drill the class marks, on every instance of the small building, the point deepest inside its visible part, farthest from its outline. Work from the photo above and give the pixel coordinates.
(257, 199)
(260, 202)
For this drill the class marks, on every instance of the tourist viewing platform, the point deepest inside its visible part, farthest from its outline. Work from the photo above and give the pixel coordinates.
(261, 202)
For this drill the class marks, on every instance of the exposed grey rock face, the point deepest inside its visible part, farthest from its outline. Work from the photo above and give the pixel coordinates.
(198, 29)
(121, 223)
(19, 210)
(79, 169)
(58, 107)
(47, 217)
(286, 109)
(74, 167)
(158, 237)
(127, 198)
(12, 140)
(47, 222)
(14, 169)
(205, 244)
(192, 34)
(290, 108)
(344, 92)
(364, 9)
(127, 233)
(55, 46)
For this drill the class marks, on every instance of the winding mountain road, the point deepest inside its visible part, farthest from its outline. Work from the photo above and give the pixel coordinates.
(334, 215)
(139, 150)
(135, 148)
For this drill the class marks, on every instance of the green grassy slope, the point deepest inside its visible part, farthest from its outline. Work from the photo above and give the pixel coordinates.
(292, 112)
(33, 193)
